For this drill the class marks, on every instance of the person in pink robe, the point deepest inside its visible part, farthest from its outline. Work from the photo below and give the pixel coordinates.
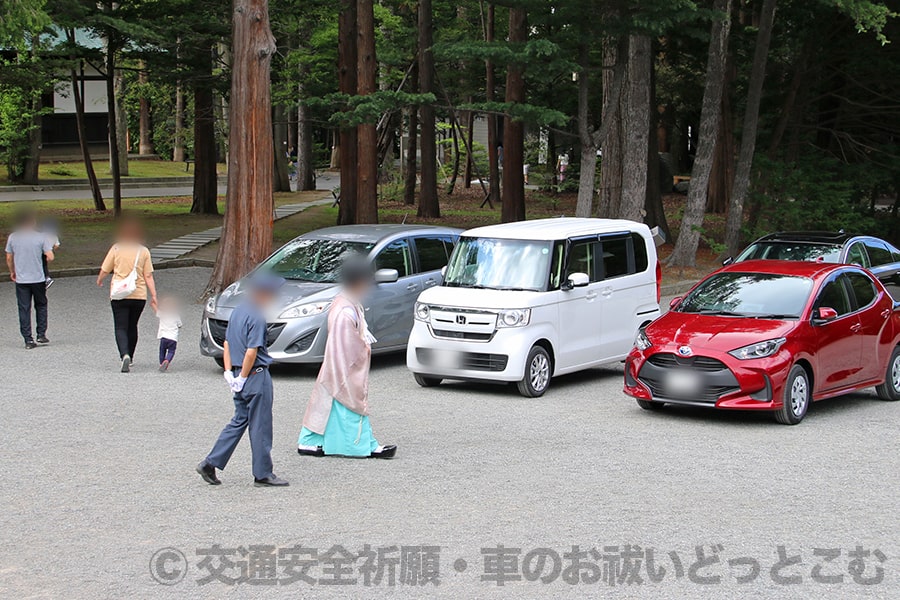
(336, 421)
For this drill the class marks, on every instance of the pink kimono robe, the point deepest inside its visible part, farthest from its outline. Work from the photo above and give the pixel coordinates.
(344, 375)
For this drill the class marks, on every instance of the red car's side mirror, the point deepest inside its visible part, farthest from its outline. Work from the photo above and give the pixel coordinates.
(825, 314)
(674, 302)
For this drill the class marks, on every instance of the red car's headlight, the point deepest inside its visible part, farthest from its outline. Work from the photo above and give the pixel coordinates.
(758, 350)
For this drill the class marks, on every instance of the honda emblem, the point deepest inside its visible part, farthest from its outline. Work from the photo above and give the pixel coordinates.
(460, 319)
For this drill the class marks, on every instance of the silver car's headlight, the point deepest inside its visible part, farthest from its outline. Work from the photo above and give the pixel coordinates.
(305, 310)
(758, 350)
(211, 304)
(641, 341)
(423, 311)
(514, 318)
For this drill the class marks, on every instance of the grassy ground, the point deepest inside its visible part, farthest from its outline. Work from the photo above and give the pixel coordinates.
(136, 169)
(86, 234)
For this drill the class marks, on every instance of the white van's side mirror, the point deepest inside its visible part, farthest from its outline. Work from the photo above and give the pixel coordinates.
(444, 271)
(386, 275)
(577, 280)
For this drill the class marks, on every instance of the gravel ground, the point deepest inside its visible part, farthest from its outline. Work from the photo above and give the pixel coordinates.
(98, 475)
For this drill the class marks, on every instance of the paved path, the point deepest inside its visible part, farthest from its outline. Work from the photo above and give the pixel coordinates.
(185, 244)
(98, 476)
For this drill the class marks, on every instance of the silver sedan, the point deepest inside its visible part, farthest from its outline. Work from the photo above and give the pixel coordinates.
(406, 258)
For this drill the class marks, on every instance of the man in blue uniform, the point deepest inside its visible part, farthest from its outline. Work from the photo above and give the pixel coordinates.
(247, 372)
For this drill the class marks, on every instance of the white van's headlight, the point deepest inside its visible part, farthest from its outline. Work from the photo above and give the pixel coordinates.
(641, 341)
(514, 318)
(758, 350)
(211, 304)
(305, 310)
(423, 311)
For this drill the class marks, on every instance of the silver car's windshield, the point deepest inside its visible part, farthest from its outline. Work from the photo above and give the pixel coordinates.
(803, 251)
(313, 260)
(499, 264)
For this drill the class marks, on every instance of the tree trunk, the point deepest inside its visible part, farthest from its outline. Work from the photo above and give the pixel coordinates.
(636, 118)
(205, 178)
(470, 154)
(113, 130)
(612, 131)
(685, 252)
(281, 176)
(454, 137)
(178, 143)
(584, 205)
(513, 194)
(721, 177)
(409, 184)
(121, 124)
(145, 145)
(306, 174)
(249, 205)
(489, 85)
(735, 217)
(429, 207)
(654, 209)
(78, 96)
(30, 171)
(366, 133)
(347, 85)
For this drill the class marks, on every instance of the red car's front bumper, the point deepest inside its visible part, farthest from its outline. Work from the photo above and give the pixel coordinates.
(727, 382)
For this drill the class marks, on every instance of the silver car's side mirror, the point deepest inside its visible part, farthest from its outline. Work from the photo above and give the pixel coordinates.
(577, 280)
(444, 271)
(386, 275)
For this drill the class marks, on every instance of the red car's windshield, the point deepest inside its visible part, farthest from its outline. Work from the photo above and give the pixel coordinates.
(759, 295)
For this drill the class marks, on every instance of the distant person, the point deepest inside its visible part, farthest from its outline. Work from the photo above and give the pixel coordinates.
(562, 165)
(525, 172)
(169, 325)
(336, 421)
(26, 249)
(131, 267)
(50, 228)
(247, 363)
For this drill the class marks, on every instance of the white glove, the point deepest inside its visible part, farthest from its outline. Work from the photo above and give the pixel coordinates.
(229, 377)
(237, 384)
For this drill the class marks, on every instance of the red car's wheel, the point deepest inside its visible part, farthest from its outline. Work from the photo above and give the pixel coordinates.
(890, 389)
(797, 396)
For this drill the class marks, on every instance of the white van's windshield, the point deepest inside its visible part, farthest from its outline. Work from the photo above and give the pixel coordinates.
(499, 264)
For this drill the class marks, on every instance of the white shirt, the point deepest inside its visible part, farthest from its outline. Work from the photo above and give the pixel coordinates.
(169, 323)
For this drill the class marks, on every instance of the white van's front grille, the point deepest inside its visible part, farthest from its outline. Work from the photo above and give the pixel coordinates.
(462, 324)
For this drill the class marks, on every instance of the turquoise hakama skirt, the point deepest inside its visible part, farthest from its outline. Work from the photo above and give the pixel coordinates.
(346, 434)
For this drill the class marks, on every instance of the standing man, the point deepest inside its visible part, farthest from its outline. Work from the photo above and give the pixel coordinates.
(26, 248)
(247, 372)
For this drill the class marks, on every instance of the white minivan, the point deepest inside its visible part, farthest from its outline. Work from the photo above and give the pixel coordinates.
(524, 302)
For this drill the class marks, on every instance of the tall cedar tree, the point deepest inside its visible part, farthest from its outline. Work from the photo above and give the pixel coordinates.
(347, 85)
(205, 201)
(366, 134)
(429, 207)
(685, 252)
(249, 205)
(513, 193)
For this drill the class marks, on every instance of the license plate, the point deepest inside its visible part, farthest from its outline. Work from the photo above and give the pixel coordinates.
(682, 383)
(446, 359)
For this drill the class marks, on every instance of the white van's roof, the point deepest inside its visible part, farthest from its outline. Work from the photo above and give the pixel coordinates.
(553, 229)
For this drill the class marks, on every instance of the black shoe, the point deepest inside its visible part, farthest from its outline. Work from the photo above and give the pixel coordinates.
(318, 452)
(208, 473)
(126, 364)
(386, 452)
(30, 345)
(42, 339)
(271, 481)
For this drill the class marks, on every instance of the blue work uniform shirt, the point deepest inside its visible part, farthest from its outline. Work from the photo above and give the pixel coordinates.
(247, 329)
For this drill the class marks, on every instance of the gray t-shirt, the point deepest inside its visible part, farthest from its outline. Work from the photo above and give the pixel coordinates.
(27, 247)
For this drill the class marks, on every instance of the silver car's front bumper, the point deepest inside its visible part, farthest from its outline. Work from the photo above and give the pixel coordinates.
(289, 341)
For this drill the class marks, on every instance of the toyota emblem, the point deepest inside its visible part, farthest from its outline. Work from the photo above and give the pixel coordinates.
(685, 351)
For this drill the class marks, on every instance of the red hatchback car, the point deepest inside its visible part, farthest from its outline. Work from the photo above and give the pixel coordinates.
(770, 335)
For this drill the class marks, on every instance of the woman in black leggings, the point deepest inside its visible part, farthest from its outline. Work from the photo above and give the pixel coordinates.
(126, 255)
